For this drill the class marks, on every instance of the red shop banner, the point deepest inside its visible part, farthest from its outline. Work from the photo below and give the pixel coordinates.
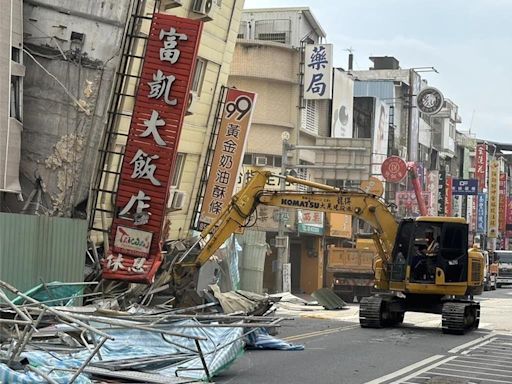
(509, 217)
(150, 155)
(448, 204)
(481, 166)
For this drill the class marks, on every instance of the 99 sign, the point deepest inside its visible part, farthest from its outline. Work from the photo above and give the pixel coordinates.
(241, 106)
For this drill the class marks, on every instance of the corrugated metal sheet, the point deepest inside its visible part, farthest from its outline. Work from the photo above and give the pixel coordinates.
(381, 88)
(40, 247)
(252, 260)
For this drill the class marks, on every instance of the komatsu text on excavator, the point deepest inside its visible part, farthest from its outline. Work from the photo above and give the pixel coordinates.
(422, 264)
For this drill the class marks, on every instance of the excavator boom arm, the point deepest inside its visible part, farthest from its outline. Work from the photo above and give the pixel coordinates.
(367, 207)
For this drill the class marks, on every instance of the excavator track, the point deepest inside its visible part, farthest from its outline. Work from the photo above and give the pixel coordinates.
(370, 312)
(460, 317)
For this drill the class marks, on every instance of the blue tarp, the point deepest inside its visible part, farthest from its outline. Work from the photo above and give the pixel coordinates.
(260, 339)
(222, 347)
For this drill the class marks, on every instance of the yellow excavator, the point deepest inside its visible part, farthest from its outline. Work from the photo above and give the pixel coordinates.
(421, 264)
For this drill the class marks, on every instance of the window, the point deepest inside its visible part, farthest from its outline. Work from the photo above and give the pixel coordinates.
(197, 81)
(15, 108)
(310, 117)
(178, 170)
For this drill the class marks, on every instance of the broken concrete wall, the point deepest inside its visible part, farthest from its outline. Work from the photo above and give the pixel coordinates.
(71, 53)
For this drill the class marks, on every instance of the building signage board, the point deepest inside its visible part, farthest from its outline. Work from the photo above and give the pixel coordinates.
(430, 101)
(464, 187)
(407, 203)
(494, 194)
(481, 213)
(318, 72)
(503, 203)
(151, 149)
(311, 222)
(342, 105)
(432, 187)
(380, 135)
(394, 169)
(228, 153)
(441, 193)
(471, 212)
(448, 203)
(481, 166)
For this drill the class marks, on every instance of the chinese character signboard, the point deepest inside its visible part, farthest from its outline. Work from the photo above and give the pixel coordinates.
(464, 187)
(471, 212)
(432, 186)
(408, 204)
(481, 210)
(481, 166)
(494, 194)
(310, 222)
(229, 149)
(318, 71)
(160, 106)
(394, 169)
(503, 203)
(448, 204)
(441, 195)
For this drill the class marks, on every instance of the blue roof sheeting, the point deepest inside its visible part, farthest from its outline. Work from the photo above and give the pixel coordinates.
(383, 89)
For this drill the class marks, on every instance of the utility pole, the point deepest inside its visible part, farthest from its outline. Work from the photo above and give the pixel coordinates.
(282, 239)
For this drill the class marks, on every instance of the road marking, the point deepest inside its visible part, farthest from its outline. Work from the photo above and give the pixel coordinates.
(478, 346)
(426, 369)
(471, 377)
(319, 333)
(407, 369)
(471, 343)
(472, 372)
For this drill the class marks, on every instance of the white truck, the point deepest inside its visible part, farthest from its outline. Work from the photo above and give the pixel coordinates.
(504, 259)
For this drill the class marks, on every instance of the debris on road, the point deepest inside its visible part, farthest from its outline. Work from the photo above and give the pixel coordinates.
(46, 338)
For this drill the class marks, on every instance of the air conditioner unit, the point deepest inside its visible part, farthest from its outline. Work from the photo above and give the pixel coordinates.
(176, 200)
(169, 4)
(260, 161)
(204, 8)
(193, 103)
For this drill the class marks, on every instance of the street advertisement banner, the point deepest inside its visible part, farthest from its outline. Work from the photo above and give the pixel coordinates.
(318, 72)
(432, 186)
(481, 166)
(160, 105)
(503, 203)
(441, 193)
(228, 152)
(380, 134)
(448, 203)
(494, 195)
(464, 187)
(342, 105)
(408, 204)
(481, 216)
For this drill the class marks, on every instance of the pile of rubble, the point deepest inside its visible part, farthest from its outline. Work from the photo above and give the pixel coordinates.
(46, 336)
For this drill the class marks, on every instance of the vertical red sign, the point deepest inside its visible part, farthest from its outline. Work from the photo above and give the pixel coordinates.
(509, 217)
(481, 166)
(448, 196)
(503, 203)
(150, 154)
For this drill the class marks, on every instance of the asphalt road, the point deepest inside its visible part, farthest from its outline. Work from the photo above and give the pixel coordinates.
(338, 351)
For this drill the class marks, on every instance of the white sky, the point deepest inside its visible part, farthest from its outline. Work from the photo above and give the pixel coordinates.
(468, 41)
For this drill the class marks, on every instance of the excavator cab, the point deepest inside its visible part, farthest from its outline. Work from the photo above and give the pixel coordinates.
(433, 271)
